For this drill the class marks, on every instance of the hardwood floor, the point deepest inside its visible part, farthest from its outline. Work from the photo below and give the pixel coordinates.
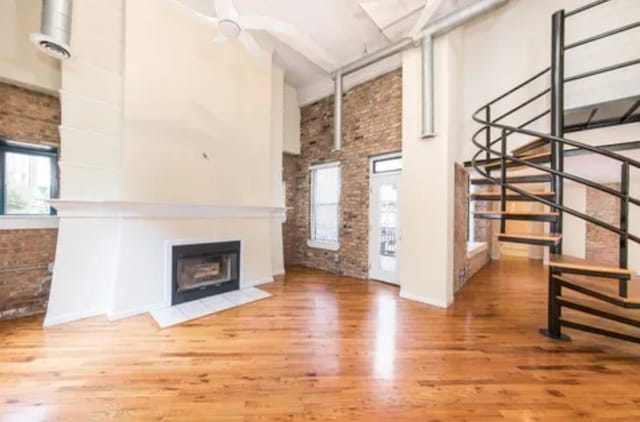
(326, 348)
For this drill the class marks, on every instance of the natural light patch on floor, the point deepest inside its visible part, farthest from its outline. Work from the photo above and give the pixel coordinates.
(188, 311)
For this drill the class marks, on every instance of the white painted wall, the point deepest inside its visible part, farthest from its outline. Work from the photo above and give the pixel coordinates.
(161, 116)
(20, 62)
(291, 120)
(575, 230)
(278, 121)
(427, 198)
(185, 98)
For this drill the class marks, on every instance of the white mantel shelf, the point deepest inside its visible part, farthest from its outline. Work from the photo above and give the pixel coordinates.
(143, 210)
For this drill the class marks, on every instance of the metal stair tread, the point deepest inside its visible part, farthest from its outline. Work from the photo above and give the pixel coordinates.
(551, 238)
(538, 158)
(517, 215)
(531, 145)
(515, 179)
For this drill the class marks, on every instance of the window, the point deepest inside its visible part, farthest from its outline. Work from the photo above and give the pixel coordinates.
(387, 164)
(325, 206)
(28, 178)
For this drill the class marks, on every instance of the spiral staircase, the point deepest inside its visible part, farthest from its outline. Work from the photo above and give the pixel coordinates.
(583, 295)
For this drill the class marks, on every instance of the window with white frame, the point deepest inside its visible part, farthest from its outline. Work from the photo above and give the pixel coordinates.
(325, 205)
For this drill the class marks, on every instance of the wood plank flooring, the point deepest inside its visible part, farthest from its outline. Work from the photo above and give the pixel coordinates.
(326, 348)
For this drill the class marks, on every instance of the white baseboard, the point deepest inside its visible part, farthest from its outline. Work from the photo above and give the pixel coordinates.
(63, 319)
(257, 282)
(279, 272)
(423, 299)
(115, 316)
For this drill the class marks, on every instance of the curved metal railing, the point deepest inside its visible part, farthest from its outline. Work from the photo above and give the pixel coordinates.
(487, 145)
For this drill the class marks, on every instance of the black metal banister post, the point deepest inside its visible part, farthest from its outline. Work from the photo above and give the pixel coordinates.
(488, 138)
(624, 226)
(557, 115)
(554, 310)
(503, 179)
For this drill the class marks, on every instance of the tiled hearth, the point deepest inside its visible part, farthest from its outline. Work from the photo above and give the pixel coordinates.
(188, 311)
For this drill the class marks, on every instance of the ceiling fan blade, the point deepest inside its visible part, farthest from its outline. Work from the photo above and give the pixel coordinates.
(219, 39)
(225, 9)
(429, 10)
(258, 53)
(291, 36)
(209, 20)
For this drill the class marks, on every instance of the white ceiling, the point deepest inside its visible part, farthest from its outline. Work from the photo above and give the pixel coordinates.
(347, 29)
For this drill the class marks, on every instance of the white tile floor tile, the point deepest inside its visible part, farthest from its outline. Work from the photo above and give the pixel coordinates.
(238, 298)
(255, 294)
(209, 305)
(169, 316)
(217, 303)
(195, 309)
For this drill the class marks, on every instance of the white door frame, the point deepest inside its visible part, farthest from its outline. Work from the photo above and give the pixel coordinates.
(373, 246)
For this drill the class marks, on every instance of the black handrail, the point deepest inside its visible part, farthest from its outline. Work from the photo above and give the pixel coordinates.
(586, 7)
(602, 35)
(569, 176)
(602, 70)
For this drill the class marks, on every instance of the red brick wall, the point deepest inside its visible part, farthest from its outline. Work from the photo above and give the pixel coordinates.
(24, 276)
(26, 116)
(372, 126)
(29, 116)
(603, 245)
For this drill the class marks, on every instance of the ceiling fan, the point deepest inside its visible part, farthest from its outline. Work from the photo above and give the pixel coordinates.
(232, 25)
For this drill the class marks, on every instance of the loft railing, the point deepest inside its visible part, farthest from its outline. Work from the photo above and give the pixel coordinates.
(556, 73)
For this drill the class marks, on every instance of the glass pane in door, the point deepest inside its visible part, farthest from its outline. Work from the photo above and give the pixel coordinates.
(388, 228)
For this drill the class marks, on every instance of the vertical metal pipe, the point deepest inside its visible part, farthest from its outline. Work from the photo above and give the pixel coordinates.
(428, 86)
(337, 112)
(624, 226)
(503, 179)
(557, 115)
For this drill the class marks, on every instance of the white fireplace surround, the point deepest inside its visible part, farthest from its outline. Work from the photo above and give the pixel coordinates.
(134, 209)
(114, 257)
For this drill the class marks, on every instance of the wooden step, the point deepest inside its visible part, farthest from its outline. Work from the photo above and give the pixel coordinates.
(573, 265)
(517, 215)
(603, 289)
(530, 146)
(511, 196)
(531, 239)
(540, 158)
(534, 178)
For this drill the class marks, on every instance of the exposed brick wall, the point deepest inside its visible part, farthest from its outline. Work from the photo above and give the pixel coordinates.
(461, 218)
(464, 267)
(603, 245)
(24, 276)
(29, 116)
(372, 126)
(33, 117)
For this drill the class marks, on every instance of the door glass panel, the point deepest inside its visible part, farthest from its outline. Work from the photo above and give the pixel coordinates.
(388, 226)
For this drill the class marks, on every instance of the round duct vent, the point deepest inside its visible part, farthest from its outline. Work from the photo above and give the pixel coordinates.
(51, 47)
(55, 29)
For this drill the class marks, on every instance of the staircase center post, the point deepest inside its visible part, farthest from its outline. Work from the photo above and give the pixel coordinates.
(557, 115)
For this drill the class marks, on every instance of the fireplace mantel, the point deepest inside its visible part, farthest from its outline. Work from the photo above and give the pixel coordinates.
(140, 210)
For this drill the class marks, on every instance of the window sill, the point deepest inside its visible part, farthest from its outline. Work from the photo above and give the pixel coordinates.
(24, 222)
(476, 248)
(323, 245)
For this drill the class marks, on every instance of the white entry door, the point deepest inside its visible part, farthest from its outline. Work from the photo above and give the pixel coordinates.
(384, 233)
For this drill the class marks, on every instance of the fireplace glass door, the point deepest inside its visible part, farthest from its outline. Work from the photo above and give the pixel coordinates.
(204, 270)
